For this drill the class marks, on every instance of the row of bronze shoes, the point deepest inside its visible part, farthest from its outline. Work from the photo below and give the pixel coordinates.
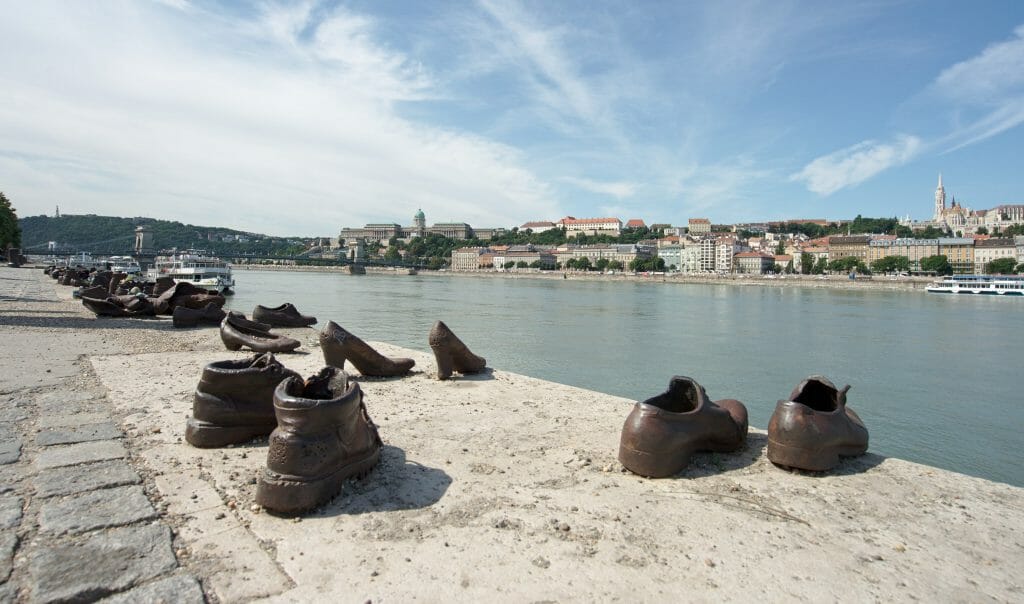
(810, 430)
(320, 430)
(115, 294)
(339, 345)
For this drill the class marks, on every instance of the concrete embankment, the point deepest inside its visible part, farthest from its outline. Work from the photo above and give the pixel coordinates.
(843, 282)
(497, 487)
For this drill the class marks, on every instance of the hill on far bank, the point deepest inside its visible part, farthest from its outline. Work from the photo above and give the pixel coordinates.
(92, 233)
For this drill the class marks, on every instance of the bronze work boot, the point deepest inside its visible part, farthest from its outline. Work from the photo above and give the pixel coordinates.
(661, 433)
(323, 437)
(234, 401)
(339, 345)
(285, 315)
(814, 428)
(451, 354)
(235, 333)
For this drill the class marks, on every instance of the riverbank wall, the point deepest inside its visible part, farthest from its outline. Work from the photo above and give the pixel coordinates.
(842, 282)
(495, 487)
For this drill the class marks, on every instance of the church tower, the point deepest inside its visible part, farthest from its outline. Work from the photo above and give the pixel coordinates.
(940, 200)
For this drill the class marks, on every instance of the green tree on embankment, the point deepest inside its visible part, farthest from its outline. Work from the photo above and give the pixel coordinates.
(10, 232)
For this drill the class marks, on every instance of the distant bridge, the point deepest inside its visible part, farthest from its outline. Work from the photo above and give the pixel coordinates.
(234, 258)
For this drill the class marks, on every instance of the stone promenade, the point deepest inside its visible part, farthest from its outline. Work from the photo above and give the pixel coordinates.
(76, 521)
(496, 487)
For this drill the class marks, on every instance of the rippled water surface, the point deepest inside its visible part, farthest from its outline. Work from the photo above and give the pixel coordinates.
(937, 379)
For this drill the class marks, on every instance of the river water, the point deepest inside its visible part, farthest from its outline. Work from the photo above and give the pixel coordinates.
(936, 379)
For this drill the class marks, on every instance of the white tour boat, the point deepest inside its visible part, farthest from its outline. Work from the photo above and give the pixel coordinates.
(197, 268)
(993, 285)
(125, 264)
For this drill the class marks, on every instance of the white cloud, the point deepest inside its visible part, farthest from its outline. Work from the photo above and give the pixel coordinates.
(989, 88)
(284, 124)
(853, 165)
(619, 190)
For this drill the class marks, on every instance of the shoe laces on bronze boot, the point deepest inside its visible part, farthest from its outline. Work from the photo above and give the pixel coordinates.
(324, 436)
(234, 401)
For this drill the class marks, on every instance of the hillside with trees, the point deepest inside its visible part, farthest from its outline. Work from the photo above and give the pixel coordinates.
(89, 233)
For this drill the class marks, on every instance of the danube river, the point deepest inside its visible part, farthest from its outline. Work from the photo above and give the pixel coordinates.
(936, 379)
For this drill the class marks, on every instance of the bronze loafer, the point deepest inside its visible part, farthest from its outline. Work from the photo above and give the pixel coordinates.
(662, 433)
(285, 315)
(814, 428)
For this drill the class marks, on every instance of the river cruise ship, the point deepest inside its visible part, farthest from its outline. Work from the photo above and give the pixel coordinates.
(993, 285)
(197, 268)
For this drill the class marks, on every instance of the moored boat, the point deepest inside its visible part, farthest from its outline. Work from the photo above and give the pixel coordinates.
(197, 268)
(124, 264)
(992, 285)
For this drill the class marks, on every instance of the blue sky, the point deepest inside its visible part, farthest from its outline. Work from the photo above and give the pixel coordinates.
(303, 117)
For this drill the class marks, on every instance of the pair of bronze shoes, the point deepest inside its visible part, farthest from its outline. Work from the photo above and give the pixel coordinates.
(320, 431)
(810, 431)
(450, 352)
(236, 331)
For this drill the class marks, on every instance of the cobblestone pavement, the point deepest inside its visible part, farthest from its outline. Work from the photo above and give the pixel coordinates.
(76, 521)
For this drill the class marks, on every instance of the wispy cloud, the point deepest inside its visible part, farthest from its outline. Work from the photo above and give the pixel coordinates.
(619, 190)
(989, 87)
(284, 123)
(853, 165)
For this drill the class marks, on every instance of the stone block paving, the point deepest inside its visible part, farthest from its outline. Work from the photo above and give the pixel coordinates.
(75, 522)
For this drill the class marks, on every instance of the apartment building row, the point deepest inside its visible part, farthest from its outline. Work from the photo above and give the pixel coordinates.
(729, 254)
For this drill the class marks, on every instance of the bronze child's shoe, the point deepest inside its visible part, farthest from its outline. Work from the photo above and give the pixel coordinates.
(234, 401)
(661, 433)
(235, 334)
(285, 315)
(323, 437)
(451, 354)
(814, 428)
(339, 345)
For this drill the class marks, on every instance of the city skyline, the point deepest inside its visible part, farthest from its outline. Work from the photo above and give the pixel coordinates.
(286, 117)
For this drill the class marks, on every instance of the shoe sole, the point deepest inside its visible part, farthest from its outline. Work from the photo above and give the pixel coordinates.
(653, 465)
(295, 495)
(207, 436)
(811, 460)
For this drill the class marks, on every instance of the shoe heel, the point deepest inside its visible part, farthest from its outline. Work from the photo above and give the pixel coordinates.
(799, 458)
(651, 465)
(444, 364)
(232, 346)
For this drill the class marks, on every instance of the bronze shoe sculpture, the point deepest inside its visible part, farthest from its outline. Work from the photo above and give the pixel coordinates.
(211, 314)
(814, 428)
(451, 354)
(234, 401)
(235, 334)
(105, 307)
(239, 319)
(662, 433)
(338, 345)
(285, 315)
(324, 436)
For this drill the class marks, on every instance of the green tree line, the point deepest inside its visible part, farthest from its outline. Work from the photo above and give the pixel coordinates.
(89, 232)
